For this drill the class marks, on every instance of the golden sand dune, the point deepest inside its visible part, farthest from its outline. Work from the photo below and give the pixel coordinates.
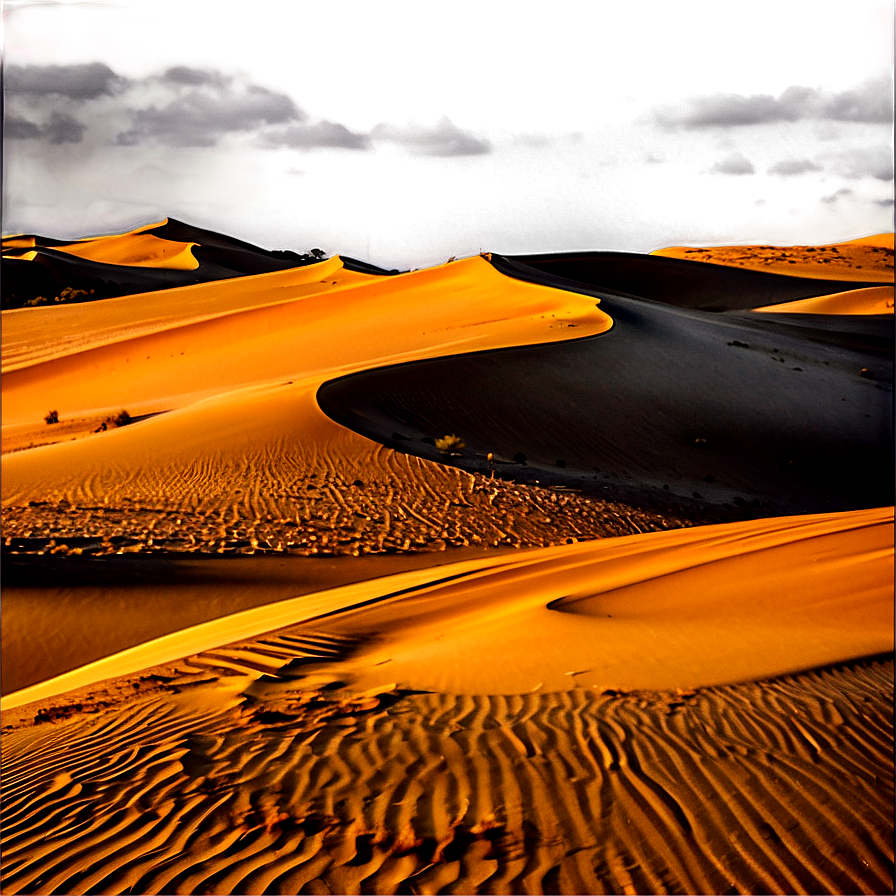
(868, 258)
(681, 609)
(136, 248)
(873, 300)
(464, 306)
(62, 330)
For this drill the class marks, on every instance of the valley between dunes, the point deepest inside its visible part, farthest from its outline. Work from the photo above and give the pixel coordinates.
(533, 574)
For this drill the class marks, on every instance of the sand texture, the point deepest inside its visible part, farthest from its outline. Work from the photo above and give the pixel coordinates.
(628, 630)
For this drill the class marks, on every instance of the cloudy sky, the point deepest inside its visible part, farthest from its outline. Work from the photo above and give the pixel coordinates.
(407, 132)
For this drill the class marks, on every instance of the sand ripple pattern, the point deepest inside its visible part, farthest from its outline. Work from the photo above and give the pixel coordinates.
(317, 504)
(777, 786)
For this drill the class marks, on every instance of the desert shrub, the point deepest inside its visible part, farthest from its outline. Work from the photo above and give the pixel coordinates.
(69, 294)
(450, 444)
(122, 419)
(51, 417)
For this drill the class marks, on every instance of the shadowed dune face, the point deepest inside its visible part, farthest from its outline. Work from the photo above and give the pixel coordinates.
(674, 281)
(792, 411)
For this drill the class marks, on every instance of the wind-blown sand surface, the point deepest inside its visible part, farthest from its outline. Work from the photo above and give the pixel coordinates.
(357, 682)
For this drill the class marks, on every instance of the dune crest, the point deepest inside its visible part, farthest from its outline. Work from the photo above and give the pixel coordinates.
(872, 300)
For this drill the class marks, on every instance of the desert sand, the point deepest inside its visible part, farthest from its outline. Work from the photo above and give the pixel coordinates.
(629, 630)
(868, 258)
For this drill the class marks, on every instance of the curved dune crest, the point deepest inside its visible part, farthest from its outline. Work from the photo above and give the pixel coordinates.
(872, 300)
(693, 607)
(686, 608)
(462, 306)
(138, 249)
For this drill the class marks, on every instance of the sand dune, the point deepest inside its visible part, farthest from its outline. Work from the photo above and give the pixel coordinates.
(690, 608)
(674, 688)
(868, 258)
(684, 282)
(794, 412)
(873, 300)
(285, 334)
(157, 256)
(68, 329)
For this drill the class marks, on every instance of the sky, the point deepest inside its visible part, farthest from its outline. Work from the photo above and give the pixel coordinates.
(404, 133)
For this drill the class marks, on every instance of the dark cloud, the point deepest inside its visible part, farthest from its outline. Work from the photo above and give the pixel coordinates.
(871, 102)
(793, 167)
(18, 128)
(77, 82)
(736, 166)
(874, 161)
(442, 139)
(846, 194)
(835, 197)
(319, 134)
(212, 106)
(193, 77)
(63, 128)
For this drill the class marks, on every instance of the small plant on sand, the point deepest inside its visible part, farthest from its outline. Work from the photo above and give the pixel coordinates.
(122, 419)
(52, 417)
(450, 444)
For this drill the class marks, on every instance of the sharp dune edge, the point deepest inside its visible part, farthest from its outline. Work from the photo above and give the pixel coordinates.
(634, 636)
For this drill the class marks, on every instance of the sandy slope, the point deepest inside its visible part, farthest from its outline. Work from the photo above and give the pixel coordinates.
(56, 332)
(689, 608)
(60, 612)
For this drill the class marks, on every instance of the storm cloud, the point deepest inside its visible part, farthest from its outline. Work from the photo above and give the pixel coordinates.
(321, 134)
(64, 128)
(86, 81)
(60, 128)
(793, 167)
(213, 105)
(734, 164)
(442, 139)
(16, 127)
(873, 161)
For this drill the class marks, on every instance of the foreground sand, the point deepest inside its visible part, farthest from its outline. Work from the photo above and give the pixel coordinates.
(445, 729)
(250, 650)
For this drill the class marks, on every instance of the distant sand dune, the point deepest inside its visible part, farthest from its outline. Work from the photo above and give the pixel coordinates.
(143, 251)
(867, 258)
(873, 300)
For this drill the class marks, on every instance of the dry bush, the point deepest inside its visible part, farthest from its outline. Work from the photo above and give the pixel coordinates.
(450, 444)
(51, 417)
